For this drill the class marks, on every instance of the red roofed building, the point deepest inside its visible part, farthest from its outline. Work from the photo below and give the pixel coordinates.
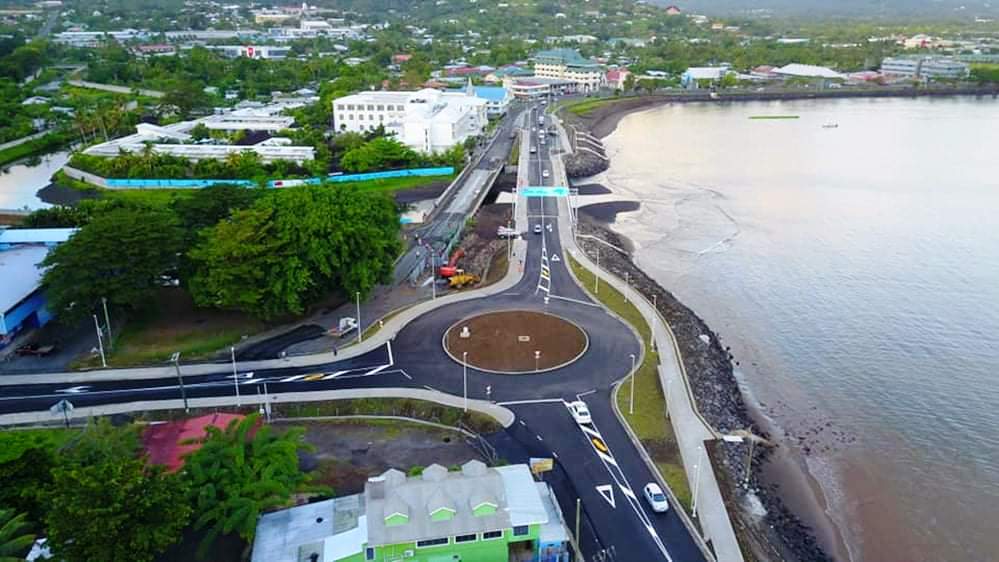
(400, 58)
(672, 11)
(615, 77)
(163, 442)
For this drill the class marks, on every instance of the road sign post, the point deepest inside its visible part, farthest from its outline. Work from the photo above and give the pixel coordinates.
(64, 407)
(175, 359)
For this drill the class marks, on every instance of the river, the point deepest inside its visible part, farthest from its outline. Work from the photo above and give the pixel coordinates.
(20, 182)
(854, 270)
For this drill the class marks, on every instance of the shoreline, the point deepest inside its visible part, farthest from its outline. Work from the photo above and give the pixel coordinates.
(799, 524)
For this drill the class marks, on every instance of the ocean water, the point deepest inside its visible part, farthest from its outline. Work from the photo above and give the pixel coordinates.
(854, 270)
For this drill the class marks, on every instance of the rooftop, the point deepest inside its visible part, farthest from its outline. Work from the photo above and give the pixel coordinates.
(807, 71)
(568, 57)
(163, 441)
(335, 529)
(20, 274)
(491, 93)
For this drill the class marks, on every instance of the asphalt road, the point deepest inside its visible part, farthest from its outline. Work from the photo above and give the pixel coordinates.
(597, 456)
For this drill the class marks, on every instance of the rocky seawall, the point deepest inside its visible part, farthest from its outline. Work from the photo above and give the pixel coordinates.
(778, 534)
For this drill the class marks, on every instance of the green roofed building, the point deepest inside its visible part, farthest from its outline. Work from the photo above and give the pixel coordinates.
(477, 514)
(568, 64)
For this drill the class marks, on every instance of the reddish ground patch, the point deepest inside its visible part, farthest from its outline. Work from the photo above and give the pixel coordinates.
(497, 342)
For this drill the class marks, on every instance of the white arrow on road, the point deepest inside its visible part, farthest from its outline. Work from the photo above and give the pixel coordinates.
(607, 491)
(74, 390)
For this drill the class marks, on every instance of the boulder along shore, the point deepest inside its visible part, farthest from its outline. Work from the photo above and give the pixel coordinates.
(780, 534)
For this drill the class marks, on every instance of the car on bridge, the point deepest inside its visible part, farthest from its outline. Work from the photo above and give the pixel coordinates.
(545, 174)
(537, 229)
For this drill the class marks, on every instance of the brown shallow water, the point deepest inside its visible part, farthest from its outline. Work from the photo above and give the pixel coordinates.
(855, 273)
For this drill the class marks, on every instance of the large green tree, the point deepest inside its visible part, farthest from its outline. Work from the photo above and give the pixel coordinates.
(120, 255)
(294, 246)
(107, 504)
(15, 538)
(241, 471)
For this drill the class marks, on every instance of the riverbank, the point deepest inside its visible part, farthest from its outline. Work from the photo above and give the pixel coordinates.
(796, 525)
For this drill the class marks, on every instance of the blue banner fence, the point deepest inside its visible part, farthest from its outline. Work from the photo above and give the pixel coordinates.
(332, 178)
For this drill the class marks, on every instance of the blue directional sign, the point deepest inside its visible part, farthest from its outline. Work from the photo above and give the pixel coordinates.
(545, 191)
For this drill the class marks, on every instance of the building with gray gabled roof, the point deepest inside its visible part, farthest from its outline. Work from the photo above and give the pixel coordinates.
(476, 514)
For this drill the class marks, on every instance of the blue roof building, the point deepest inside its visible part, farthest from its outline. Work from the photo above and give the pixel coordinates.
(497, 99)
(22, 301)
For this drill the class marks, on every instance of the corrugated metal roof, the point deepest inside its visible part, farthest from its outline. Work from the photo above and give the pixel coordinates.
(20, 274)
(35, 235)
(522, 498)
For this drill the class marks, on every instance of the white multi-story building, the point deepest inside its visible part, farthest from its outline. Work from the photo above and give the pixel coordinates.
(426, 120)
(924, 68)
(568, 64)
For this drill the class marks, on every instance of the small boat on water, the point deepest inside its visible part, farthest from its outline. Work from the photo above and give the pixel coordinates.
(830, 125)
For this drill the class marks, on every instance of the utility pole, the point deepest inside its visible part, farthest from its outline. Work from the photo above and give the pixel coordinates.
(235, 375)
(578, 506)
(464, 378)
(631, 401)
(100, 342)
(433, 273)
(107, 322)
(358, 317)
(175, 358)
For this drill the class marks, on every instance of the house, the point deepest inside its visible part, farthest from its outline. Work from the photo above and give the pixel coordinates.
(568, 64)
(477, 514)
(616, 78)
(22, 300)
(426, 120)
(699, 76)
(497, 99)
(400, 58)
(672, 10)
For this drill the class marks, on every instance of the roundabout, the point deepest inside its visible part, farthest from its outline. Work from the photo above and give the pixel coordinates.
(515, 342)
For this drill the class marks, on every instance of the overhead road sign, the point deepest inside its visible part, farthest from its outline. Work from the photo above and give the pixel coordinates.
(545, 191)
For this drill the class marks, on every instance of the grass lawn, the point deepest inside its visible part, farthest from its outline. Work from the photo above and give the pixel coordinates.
(649, 420)
(172, 324)
(391, 185)
(584, 107)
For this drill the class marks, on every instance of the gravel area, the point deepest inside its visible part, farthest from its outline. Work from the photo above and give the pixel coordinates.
(497, 341)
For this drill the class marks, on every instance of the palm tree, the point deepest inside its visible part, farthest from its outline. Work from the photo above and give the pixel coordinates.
(14, 538)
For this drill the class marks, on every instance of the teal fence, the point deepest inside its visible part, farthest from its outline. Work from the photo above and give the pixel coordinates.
(343, 178)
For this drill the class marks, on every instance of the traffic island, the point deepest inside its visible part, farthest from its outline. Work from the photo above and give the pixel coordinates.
(515, 342)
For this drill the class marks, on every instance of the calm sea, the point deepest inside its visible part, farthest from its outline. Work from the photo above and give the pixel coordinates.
(851, 258)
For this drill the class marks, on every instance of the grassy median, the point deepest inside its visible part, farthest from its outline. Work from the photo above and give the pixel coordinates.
(649, 420)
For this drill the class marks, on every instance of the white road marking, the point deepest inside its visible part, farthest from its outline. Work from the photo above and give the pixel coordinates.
(607, 491)
(74, 389)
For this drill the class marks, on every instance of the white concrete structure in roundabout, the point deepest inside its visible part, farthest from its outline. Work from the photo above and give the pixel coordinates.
(426, 120)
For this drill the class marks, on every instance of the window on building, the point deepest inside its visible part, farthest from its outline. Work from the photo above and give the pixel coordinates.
(465, 538)
(492, 535)
(371, 107)
(369, 553)
(350, 107)
(431, 542)
(381, 108)
(521, 531)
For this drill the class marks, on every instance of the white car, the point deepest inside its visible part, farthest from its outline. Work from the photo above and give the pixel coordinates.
(545, 174)
(580, 412)
(656, 498)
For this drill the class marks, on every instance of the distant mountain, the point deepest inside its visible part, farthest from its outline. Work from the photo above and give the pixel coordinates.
(944, 9)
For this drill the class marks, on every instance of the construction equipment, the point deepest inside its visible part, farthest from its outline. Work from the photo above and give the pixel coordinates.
(452, 266)
(460, 280)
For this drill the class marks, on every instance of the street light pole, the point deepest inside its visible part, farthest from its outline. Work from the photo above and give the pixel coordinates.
(631, 401)
(433, 273)
(180, 381)
(596, 278)
(537, 358)
(107, 321)
(358, 316)
(697, 479)
(464, 379)
(235, 375)
(100, 342)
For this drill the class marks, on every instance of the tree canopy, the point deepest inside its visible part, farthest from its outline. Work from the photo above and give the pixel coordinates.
(241, 471)
(107, 504)
(120, 255)
(293, 246)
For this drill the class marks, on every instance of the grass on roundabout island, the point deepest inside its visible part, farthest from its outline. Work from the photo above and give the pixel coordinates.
(649, 421)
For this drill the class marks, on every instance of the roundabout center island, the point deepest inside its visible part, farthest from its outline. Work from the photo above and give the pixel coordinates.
(515, 342)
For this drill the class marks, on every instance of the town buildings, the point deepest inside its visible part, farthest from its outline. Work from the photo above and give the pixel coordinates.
(924, 68)
(426, 120)
(567, 64)
(699, 76)
(477, 514)
(497, 99)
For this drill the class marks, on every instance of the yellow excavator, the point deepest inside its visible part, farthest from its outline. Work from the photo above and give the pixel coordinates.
(462, 279)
